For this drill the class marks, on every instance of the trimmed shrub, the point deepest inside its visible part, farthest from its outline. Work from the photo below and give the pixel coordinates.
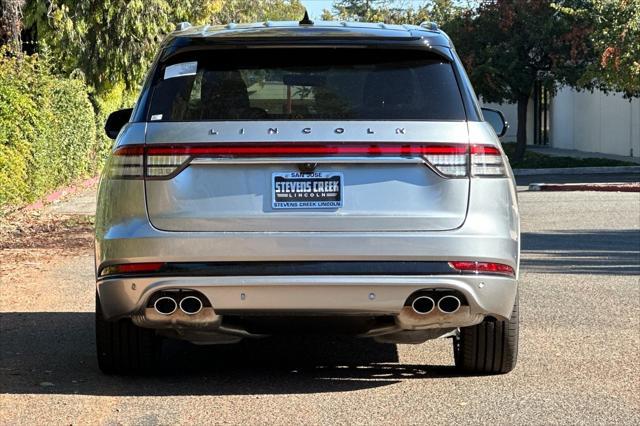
(47, 130)
(105, 103)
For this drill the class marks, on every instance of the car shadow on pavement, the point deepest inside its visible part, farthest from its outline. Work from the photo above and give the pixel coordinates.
(54, 353)
(614, 252)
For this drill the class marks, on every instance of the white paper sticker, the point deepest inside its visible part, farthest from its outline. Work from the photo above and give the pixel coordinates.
(181, 70)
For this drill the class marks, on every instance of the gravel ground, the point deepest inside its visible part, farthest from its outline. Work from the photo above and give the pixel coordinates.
(579, 355)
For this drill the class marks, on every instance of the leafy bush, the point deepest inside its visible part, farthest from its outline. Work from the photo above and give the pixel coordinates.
(47, 130)
(104, 104)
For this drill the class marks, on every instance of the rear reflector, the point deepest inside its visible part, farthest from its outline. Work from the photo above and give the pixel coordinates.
(483, 268)
(164, 161)
(128, 268)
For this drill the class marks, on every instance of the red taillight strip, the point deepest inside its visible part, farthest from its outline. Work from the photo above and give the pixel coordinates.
(483, 267)
(129, 150)
(448, 160)
(306, 149)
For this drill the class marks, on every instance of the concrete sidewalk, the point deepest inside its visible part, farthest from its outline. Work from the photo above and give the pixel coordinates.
(556, 152)
(81, 203)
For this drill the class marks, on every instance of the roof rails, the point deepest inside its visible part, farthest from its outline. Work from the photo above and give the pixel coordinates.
(183, 26)
(431, 26)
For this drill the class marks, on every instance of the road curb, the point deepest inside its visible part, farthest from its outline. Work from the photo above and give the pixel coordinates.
(604, 187)
(578, 171)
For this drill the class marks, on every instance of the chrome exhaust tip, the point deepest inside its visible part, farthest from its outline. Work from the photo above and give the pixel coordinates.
(165, 305)
(191, 305)
(423, 305)
(449, 304)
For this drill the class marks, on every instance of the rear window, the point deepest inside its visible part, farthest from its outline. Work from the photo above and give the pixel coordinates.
(305, 84)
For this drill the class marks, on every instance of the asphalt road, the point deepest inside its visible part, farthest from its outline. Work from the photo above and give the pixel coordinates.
(579, 355)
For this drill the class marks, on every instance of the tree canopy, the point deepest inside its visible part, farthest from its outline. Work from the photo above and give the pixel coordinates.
(509, 45)
(615, 37)
(506, 45)
(438, 11)
(112, 41)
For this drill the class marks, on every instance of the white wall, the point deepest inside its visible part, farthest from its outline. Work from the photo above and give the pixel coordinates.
(510, 112)
(584, 121)
(595, 122)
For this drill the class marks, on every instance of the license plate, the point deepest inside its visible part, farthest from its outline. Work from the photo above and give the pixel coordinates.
(316, 190)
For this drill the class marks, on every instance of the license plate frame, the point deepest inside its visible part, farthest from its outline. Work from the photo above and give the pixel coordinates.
(307, 190)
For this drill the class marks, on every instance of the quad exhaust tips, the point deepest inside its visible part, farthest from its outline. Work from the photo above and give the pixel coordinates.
(167, 305)
(424, 305)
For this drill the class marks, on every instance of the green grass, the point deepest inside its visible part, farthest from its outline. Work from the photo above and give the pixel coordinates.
(534, 160)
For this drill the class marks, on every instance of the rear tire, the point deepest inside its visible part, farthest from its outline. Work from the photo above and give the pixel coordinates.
(124, 348)
(490, 347)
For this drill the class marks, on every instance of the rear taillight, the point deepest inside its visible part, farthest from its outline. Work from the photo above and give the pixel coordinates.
(127, 162)
(164, 165)
(165, 161)
(450, 161)
(486, 161)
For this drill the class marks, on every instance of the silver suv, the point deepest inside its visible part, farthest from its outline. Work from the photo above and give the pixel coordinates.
(296, 177)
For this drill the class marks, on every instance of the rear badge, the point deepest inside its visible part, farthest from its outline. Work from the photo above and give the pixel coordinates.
(315, 190)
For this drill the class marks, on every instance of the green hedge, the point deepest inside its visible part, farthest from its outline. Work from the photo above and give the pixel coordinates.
(47, 131)
(108, 101)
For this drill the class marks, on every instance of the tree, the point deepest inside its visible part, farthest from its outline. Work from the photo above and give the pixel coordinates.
(257, 11)
(11, 23)
(113, 41)
(438, 11)
(357, 10)
(109, 41)
(616, 42)
(509, 45)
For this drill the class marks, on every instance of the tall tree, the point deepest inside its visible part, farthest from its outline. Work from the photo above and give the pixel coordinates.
(615, 37)
(113, 41)
(509, 45)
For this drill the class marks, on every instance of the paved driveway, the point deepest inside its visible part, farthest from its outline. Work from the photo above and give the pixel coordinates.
(579, 359)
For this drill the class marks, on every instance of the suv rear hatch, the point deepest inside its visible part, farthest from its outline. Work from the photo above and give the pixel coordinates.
(306, 140)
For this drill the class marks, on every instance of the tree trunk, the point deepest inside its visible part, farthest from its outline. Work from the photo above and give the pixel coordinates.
(521, 139)
(11, 23)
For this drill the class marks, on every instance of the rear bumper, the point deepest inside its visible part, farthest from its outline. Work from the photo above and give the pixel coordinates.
(330, 295)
